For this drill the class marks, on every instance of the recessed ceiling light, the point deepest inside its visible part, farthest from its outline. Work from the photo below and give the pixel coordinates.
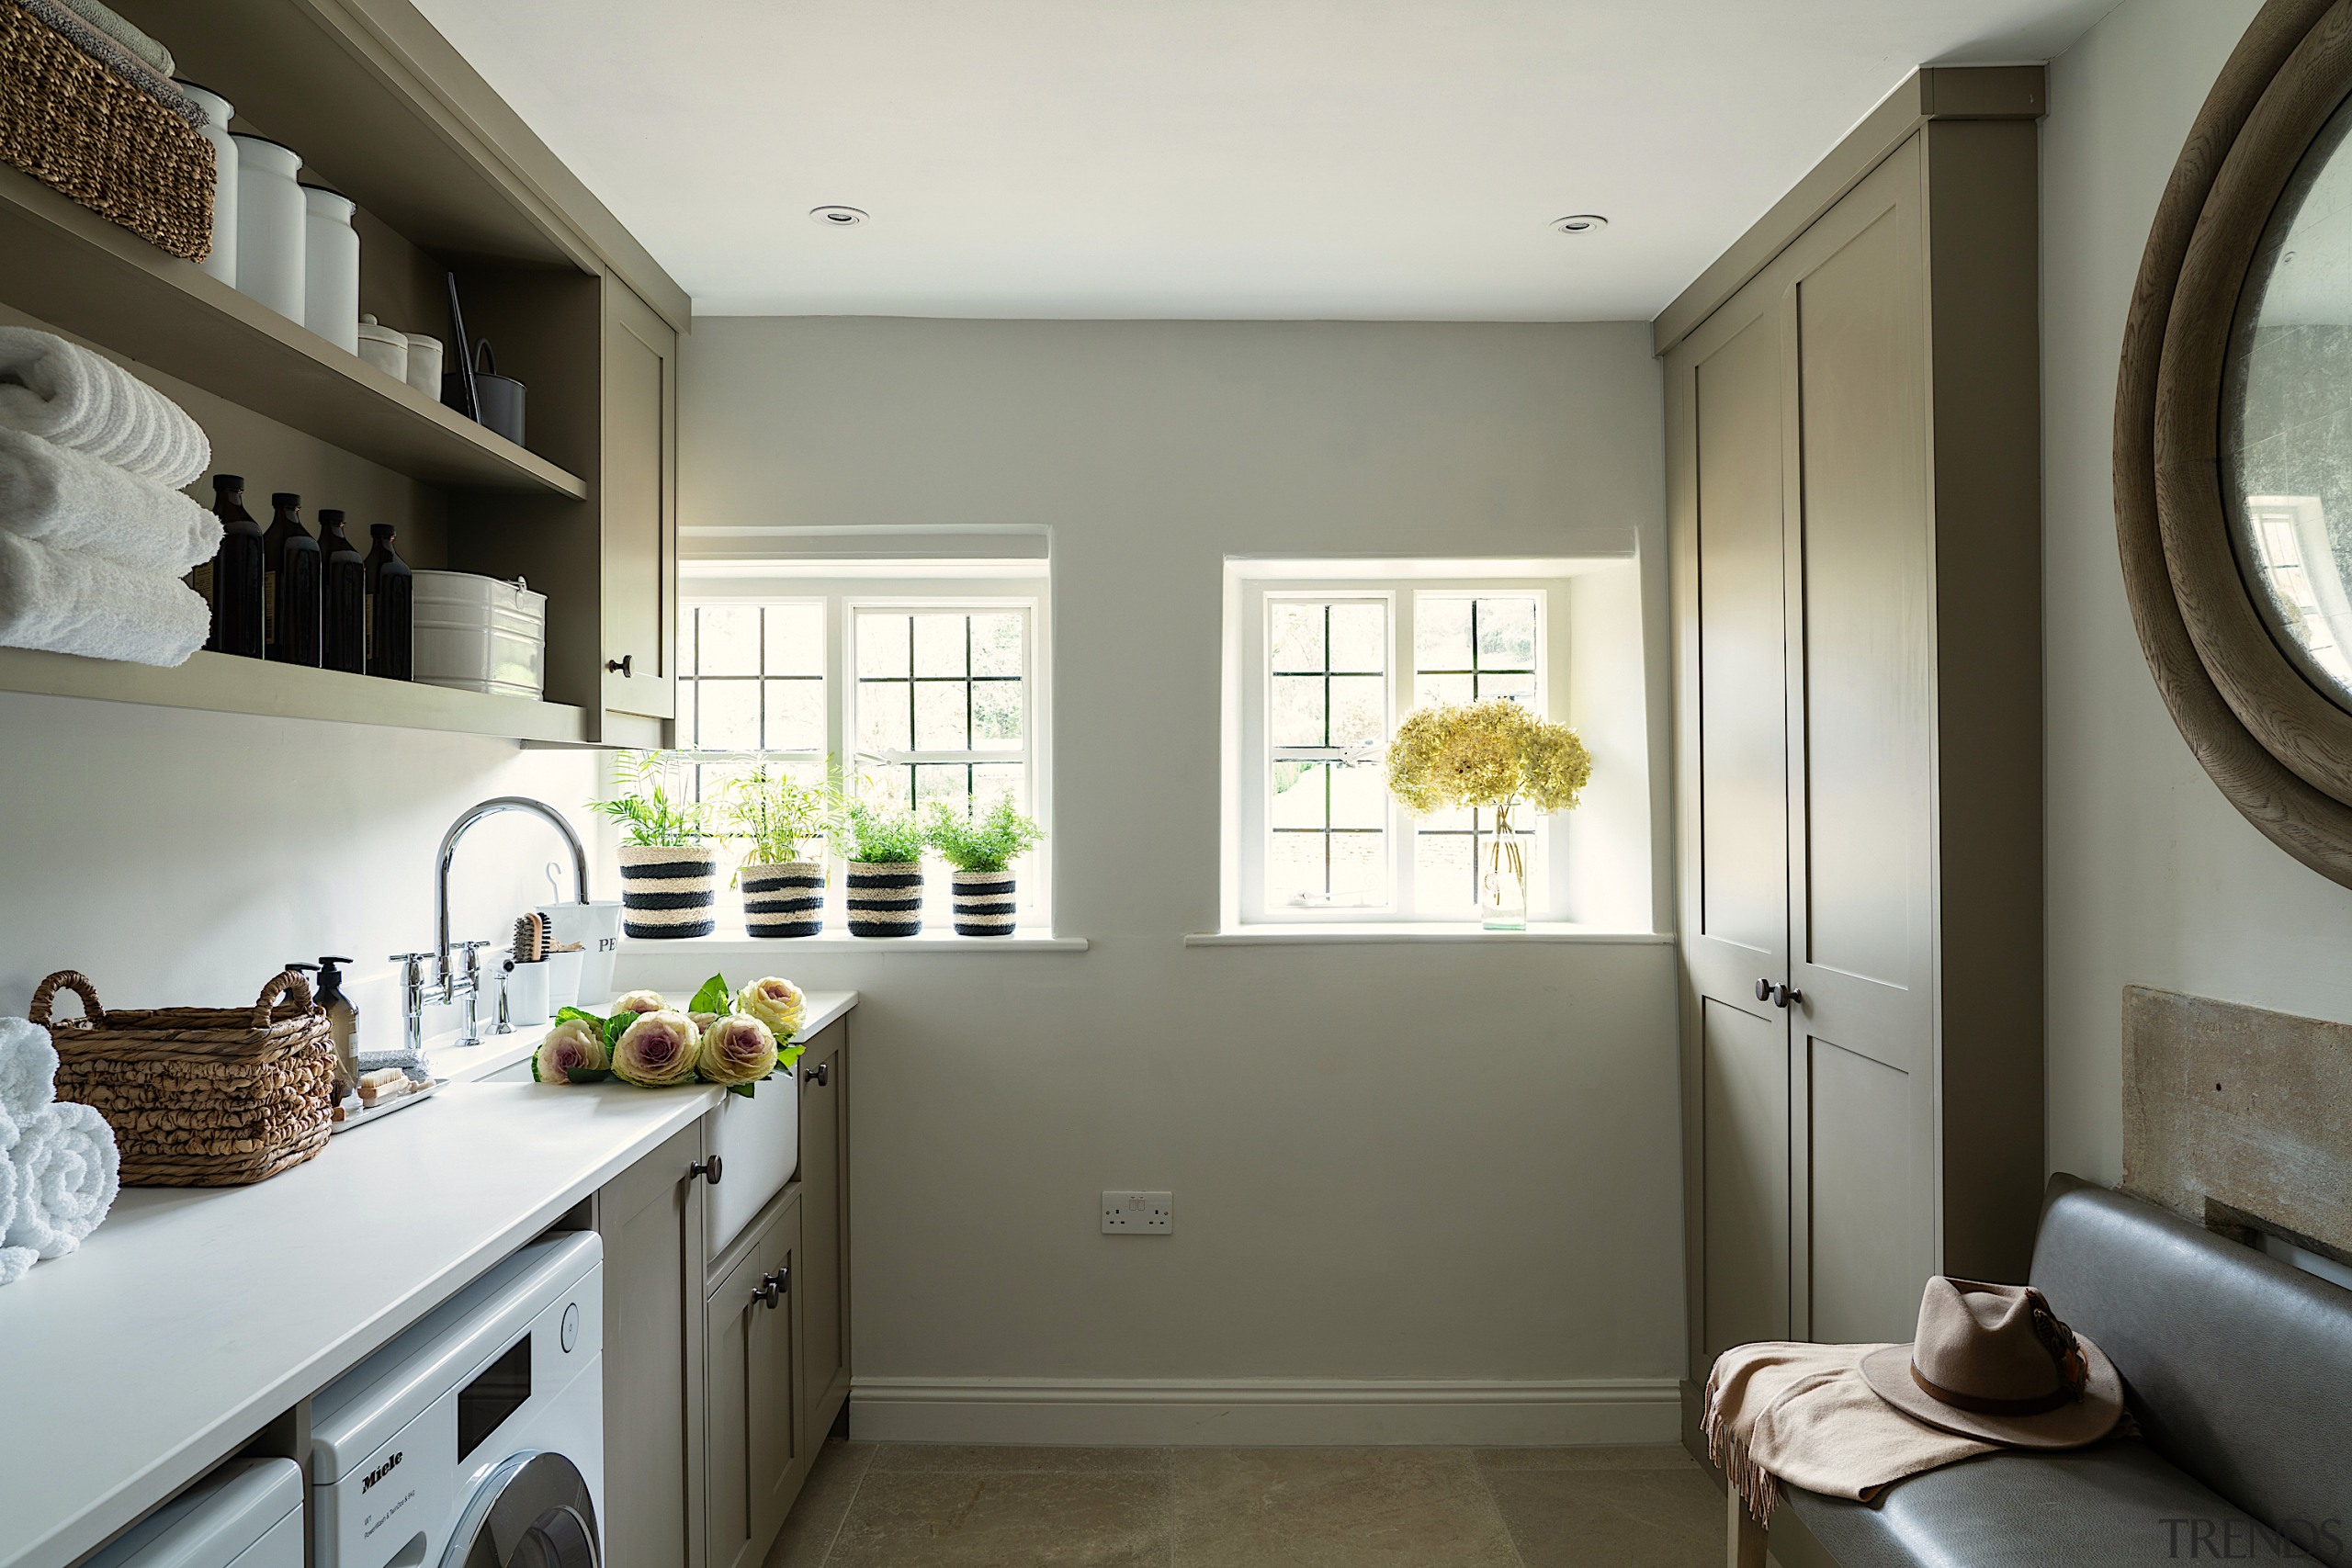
(1580, 223)
(837, 217)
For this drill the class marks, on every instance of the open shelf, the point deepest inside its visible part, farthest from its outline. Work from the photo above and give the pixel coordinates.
(73, 268)
(220, 682)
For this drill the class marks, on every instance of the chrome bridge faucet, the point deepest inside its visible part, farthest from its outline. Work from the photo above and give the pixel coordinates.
(445, 985)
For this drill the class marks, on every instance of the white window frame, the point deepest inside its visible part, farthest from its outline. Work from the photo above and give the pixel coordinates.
(1253, 589)
(974, 587)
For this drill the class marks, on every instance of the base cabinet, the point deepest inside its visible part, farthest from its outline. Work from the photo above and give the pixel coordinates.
(824, 1184)
(754, 1442)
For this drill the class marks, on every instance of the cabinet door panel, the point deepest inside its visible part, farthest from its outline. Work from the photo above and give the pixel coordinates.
(639, 495)
(653, 1357)
(1747, 1120)
(824, 1293)
(1866, 1256)
(772, 1375)
(733, 1318)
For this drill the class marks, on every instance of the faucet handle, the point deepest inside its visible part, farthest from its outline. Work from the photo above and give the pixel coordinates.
(411, 966)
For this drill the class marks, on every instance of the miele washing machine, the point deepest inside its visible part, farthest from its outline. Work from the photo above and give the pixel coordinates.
(475, 1439)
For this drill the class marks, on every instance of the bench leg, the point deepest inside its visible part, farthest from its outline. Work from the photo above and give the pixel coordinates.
(1744, 1539)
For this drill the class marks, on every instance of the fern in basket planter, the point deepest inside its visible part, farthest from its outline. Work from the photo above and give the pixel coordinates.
(784, 895)
(884, 849)
(982, 849)
(669, 869)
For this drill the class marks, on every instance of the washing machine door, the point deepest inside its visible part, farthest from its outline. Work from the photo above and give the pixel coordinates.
(533, 1511)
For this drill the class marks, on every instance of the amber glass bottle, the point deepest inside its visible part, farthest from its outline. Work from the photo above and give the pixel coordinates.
(238, 616)
(343, 598)
(290, 557)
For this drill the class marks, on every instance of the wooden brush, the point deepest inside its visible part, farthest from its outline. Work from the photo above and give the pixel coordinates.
(531, 936)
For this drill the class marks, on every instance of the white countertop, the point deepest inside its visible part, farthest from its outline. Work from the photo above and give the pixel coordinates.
(195, 1316)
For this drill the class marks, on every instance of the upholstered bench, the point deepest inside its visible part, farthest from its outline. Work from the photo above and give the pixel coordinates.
(2239, 1371)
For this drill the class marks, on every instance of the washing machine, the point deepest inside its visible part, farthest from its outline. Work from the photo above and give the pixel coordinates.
(476, 1439)
(247, 1514)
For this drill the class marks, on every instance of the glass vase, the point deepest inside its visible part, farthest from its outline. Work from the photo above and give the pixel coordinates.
(1502, 881)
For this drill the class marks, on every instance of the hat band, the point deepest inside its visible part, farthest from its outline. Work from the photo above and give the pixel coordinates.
(1982, 1406)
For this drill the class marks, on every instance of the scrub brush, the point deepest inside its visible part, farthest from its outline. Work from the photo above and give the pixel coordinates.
(531, 936)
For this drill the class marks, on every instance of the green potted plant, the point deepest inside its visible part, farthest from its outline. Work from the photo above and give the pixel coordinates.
(884, 849)
(982, 849)
(669, 870)
(783, 893)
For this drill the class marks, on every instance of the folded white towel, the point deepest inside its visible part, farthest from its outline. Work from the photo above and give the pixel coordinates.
(68, 1171)
(71, 602)
(60, 392)
(28, 1070)
(75, 502)
(14, 1260)
(106, 21)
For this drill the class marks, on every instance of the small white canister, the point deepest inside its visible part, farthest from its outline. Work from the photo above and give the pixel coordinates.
(222, 261)
(424, 365)
(271, 216)
(330, 269)
(382, 347)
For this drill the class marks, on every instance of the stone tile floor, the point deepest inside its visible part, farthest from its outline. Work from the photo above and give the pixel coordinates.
(916, 1506)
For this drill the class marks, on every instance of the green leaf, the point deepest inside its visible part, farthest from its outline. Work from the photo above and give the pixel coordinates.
(534, 1068)
(565, 1015)
(742, 1089)
(586, 1075)
(615, 1027)
(714, 996)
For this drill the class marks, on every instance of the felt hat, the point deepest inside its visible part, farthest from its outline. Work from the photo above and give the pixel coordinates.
(1993, 1361)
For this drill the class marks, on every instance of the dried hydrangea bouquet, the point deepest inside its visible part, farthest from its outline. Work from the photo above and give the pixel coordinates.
(1495, 754)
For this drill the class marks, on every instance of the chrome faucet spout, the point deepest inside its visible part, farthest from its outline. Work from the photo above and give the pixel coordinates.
(472, 815)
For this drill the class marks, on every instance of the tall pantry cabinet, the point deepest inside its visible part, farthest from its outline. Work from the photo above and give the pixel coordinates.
(1855, 495)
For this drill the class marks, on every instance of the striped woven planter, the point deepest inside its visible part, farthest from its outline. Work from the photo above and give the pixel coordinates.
(669, 890)
(984, 903)
(788, 900)
(884, 897)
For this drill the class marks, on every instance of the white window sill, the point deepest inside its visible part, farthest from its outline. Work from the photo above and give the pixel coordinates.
(735, 944)
(1271, 935)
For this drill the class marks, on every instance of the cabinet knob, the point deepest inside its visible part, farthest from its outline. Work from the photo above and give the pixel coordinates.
(821, 1074)
(623, 666)
(710, 1170)
(1763, 990)
(771, 1288)
(1786, 996)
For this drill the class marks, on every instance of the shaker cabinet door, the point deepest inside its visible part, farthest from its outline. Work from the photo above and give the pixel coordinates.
(824, 1185)
(753, 1445)
(639, 494)
(653, 1360)
(772, 1374)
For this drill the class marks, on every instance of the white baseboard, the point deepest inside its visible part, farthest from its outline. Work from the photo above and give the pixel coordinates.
(1269, 1412)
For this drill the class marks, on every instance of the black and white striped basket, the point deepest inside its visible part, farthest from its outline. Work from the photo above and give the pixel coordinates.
(788, 900)
(884, 897)
(984, 903)
(669, 890)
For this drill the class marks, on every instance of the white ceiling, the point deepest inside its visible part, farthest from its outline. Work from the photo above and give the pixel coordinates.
(1393, 159)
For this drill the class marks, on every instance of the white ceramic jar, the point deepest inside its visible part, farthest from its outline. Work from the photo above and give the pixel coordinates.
(424, 365)
(271, 217)
(330, 269)
(222, 262)
(384, 348)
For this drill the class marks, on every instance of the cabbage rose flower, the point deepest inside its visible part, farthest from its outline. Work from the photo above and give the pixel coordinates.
(576, 1044)
(737, 1050)
(656, 1051)
(640, 1002)
(777, 1003)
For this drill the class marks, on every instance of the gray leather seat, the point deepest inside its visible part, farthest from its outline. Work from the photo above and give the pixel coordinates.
(2239, 1371)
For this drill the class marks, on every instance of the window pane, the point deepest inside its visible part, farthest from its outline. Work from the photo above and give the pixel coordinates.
(1298, 711)
(943, 782)
(1358, 797)
(886, 785)
(1441, 632)
(1295, 868)
(796, 715)
(1299, 796)
(996, 715)
(1443, 882)
(1521, 686)
(939, 716)
(1506, 633)
(1360, 637)
(939, 645)
(730, 715)
(687, 741)
(1360, 867)
(1296, 634)
(992, 781)
(996, 644)
(881, 644)
(883, 717)
(795, 639)
(687, 641)
(1429, 690)
(729, 639)
(1359, 710)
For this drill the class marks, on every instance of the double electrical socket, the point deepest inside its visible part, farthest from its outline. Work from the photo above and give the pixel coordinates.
(1136, 1212)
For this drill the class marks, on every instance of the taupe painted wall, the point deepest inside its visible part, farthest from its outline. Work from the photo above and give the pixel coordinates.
(1389, 1162)
(2154, 878)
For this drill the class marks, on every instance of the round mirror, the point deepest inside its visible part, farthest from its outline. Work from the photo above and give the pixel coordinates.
(2286, 435)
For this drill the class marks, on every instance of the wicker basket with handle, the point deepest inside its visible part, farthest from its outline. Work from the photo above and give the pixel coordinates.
(199, 1097)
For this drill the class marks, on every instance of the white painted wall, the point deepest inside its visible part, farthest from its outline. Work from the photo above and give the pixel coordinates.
(1392, 1164)
(2154, 878)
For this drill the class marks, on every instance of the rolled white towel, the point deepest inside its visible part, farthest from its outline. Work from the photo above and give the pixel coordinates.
(64, 393)
(71, 602)
(27, 1071)
(68, 1171)
(14, 1260)
(73, 501)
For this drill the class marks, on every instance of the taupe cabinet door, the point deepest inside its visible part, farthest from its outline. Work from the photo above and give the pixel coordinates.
(651, 1224)
(1806, 684)
(639, 507)
(824, 1184)
(754, 1443)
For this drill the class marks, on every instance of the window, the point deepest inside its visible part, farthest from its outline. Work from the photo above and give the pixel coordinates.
(1320, 668)
(922, 680)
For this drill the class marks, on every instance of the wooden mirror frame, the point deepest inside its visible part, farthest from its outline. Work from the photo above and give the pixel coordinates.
(2279, 748)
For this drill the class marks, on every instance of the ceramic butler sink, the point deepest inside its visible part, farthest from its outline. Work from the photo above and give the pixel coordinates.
(759, 1139)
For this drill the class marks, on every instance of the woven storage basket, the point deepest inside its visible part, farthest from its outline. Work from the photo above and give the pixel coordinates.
(199, 1097)
(73, 122)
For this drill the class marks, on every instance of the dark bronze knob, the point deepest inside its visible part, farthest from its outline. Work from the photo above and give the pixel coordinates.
(622, 666)
(1763, 990)
(710, 1170)
(821, 1074)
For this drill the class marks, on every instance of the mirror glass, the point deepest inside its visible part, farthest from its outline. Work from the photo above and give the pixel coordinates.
(2286, 445)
